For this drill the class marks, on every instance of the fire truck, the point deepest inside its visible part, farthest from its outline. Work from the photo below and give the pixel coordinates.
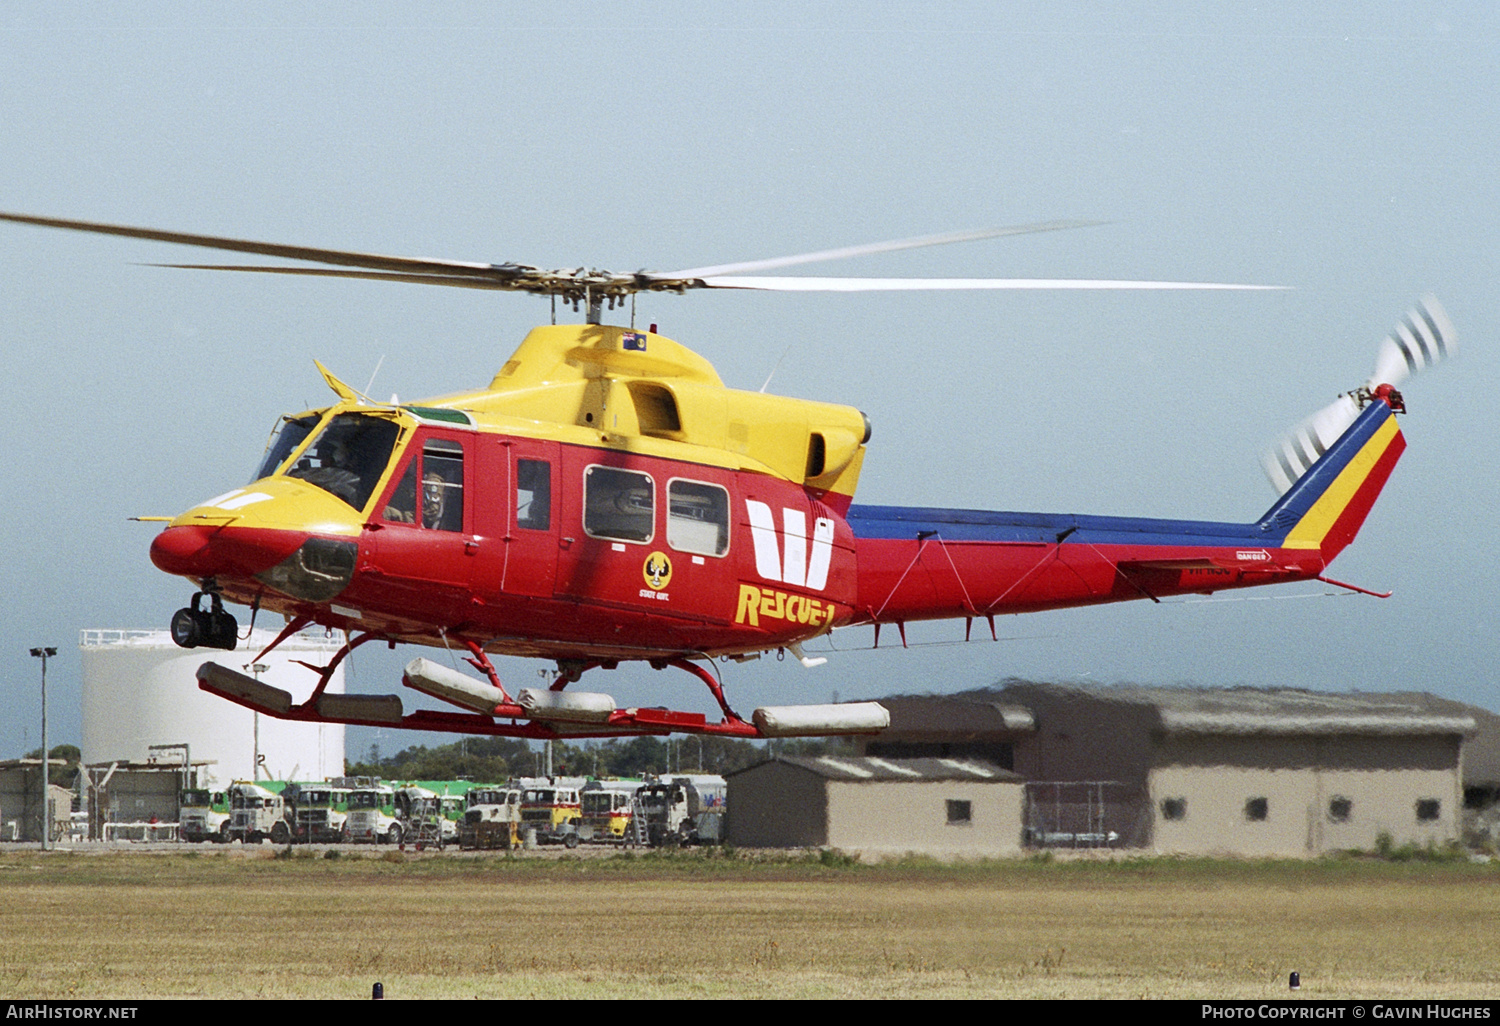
(668, 812)
(550, 809)
(492, 818)
(607, 808)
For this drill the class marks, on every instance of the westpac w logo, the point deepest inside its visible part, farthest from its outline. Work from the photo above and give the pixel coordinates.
(796, 566)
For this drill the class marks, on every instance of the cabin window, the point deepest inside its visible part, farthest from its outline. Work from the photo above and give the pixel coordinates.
(960, 813)
(1173, 809)
(441, 472)
(1429, 810)
(618, 504)
(348, 457)
(1257, 809)
(534, 494)
(697, 518)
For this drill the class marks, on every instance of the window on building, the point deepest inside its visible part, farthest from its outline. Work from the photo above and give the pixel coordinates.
(1257, 809)
(1174, 808)
(1429, 810)
(1339, 809)
(960, 812)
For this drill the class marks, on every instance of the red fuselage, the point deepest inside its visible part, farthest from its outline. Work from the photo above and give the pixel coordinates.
(685, 559)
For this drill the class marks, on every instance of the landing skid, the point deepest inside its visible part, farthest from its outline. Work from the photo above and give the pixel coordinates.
(534, 713)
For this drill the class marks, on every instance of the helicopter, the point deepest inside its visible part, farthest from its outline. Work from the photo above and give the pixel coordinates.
(606, 498)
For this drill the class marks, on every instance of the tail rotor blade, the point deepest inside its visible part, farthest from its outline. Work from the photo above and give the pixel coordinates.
(1424, 337)
(1297, 450)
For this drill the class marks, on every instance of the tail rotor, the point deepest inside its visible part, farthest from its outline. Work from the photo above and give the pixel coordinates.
(1424, 337)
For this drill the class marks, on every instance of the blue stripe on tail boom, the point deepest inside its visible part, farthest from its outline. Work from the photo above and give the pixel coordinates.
(968, 525)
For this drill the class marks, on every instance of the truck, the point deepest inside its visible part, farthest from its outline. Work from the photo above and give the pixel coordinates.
(424, 816)
(550, 809)
(203, 815)
(606, 808)
(671, 809)
(256, 812)
(318, 812)
(371, 816)
(492, 817)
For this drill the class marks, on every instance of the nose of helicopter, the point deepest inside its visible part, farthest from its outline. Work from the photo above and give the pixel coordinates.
(198, 550)
(249, 531)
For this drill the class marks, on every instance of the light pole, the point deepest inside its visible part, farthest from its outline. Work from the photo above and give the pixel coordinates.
(257, 669)
(42, 654)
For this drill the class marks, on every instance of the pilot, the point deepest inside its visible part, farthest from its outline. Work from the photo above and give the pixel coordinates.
(335, 453)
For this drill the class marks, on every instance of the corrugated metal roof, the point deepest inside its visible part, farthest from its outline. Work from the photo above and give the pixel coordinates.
(865, 768)
(1246, 710)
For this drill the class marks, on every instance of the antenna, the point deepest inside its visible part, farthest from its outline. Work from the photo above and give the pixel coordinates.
(776, 366)
(371, 385)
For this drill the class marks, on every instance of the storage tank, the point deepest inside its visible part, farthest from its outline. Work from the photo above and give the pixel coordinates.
(140, 689)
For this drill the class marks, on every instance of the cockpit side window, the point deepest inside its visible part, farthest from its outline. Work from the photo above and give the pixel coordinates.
(289, 433)
(443, 485)
(438, 504)
(348, 457)
(402, 509)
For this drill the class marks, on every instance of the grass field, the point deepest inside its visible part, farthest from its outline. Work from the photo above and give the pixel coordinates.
(245, 924)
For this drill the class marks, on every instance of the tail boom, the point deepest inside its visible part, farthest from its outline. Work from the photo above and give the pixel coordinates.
(919, 564)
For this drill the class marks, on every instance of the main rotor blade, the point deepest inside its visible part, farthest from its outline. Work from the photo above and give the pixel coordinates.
(842, 253)
(342, 258)
(511, 284)
(578, 285)
(797, 284)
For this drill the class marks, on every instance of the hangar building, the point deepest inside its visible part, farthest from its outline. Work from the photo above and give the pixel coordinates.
(1245, 770)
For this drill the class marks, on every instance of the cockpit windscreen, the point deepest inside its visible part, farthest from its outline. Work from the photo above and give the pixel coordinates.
(348, 457)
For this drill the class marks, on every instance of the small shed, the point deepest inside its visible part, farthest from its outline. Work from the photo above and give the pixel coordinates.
(946, 807)
(123, 796)
(21, 799)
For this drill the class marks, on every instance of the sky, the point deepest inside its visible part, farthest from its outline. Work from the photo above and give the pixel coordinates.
(1347, 150)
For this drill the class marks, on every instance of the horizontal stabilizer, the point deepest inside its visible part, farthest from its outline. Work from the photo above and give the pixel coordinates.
(817, 720)
(1243, 560)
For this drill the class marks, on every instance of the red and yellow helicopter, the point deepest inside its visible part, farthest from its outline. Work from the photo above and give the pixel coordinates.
(607, 498)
